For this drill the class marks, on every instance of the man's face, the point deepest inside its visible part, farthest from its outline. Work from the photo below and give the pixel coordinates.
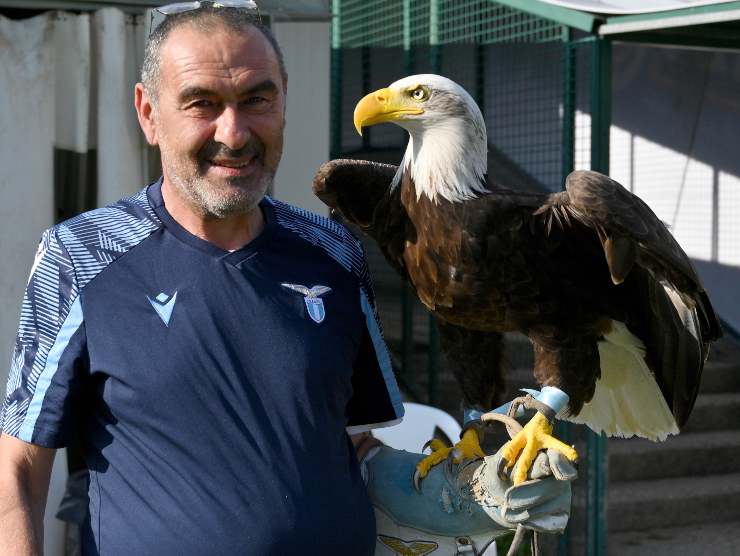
(219, 118)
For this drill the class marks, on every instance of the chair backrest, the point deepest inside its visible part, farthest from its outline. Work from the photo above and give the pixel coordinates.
(417, 427)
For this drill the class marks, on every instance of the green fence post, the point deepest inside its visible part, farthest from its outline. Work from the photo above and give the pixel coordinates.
(597, 447)
(434, 42)
(336, 79)
(564, 431)
(408, 60)
(367, 80)
(407, 334)
(407, 311)
(436, 64)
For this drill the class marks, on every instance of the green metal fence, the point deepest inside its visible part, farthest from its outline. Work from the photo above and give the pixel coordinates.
(544, 90)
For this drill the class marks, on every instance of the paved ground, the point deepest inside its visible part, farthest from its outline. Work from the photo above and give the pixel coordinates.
(720, 539)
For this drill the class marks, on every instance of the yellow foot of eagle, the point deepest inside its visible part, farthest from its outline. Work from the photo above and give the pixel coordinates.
(467, 448)
(535, 436)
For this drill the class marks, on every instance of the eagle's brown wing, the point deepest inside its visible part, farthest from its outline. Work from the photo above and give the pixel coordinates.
(630, 232)
(359, 191)
(353, 187)
(668, 308)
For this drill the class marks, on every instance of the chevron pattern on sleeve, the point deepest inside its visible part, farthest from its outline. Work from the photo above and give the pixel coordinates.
(69, 256)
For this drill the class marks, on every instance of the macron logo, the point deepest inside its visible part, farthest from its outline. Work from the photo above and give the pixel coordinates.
(164, 304)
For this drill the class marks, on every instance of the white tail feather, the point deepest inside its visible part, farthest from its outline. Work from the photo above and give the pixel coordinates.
(627, 401)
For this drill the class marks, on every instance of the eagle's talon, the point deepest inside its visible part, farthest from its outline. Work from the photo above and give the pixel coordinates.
(523, 448)
(503, 465)
(427, 444)
(467, 448)
(417, 481)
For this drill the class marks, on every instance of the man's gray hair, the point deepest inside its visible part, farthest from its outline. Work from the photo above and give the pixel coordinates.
(205, 19)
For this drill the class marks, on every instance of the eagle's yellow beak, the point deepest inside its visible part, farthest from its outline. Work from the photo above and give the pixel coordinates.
(383, 105)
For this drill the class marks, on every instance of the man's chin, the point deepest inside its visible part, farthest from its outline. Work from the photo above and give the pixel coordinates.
(236, 198)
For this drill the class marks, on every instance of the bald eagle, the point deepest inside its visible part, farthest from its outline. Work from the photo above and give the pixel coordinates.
(616, 313)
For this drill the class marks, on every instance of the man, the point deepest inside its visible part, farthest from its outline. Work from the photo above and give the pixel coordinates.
(213, 347)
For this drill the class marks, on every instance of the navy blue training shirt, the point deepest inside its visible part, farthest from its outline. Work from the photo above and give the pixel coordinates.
(213, 390)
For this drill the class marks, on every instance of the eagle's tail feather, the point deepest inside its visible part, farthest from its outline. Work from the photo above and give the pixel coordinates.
(627, 400)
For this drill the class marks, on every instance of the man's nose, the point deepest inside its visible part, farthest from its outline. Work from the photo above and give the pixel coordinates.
(232, 128)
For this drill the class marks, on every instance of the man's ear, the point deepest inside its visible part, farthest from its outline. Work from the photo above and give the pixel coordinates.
(145, 113)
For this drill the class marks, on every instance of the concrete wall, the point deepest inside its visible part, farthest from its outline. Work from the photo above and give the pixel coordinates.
(307, 59)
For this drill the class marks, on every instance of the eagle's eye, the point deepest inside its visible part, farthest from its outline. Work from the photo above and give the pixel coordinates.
(420, 93)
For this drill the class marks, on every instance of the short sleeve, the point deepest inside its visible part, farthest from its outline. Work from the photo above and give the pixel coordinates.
(49, 357)
(376, 401)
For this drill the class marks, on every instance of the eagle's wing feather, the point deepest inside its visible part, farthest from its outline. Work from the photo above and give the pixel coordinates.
(616, 214)
(360, 192)
(630, 233)
(353, 187)
(665, 303)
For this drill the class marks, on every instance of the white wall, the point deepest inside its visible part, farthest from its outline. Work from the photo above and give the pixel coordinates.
(307, 58)
(674, 142)
(49, 83)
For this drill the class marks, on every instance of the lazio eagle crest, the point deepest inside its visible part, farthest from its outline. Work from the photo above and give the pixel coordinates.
(311, 296)
(408, 548)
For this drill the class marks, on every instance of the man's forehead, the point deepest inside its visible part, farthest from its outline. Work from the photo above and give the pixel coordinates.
(222, 53)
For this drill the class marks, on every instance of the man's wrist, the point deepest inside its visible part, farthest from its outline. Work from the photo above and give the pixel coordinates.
(365, 446)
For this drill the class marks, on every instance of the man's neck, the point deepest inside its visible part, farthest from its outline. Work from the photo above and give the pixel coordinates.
(229, 233)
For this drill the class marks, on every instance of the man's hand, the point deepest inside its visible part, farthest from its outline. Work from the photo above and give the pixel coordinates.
(25, 470)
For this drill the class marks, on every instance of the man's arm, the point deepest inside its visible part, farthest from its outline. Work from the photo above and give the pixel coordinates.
(363, 443)
(25, 470)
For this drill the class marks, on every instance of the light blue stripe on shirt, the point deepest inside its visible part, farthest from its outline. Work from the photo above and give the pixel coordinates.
(384, 358)
(69, 327)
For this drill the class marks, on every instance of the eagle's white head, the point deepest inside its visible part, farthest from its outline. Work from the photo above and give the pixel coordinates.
(447, 150)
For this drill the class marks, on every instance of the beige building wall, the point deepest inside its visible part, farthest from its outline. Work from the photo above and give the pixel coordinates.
(307, 58)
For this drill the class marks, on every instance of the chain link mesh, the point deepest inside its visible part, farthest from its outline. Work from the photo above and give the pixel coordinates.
(381, 23)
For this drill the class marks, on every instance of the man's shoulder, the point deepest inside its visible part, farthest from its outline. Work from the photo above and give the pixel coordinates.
(129, 212)
(93, 239)
(331, 236)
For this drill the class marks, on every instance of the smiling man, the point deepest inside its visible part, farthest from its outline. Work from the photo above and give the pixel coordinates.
(214, 347)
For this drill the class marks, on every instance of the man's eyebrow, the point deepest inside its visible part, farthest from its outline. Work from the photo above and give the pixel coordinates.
(190, 93)
(266, 86)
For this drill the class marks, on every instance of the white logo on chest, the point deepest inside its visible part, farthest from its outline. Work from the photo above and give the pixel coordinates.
(163, 304)
(314, 303)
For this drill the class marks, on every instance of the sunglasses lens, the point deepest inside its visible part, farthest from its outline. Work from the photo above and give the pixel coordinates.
(244, 4)
(178, 7)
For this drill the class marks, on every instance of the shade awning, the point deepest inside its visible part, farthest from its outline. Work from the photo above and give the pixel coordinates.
(278, 10)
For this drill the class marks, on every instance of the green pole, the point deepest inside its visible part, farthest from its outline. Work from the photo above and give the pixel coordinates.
(480, 77)
(336, 79)
(407, 33)
(436, 64)
(564, 431)
(407, 333)
(366, 88)
(407, 312)
(433, 370)
(597, 449)
(434, 42)
(569, 107)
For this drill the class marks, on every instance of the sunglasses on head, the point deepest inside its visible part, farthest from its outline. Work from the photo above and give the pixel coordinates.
(158, 14)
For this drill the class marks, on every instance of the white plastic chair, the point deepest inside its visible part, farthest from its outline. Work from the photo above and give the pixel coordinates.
(418, 427)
